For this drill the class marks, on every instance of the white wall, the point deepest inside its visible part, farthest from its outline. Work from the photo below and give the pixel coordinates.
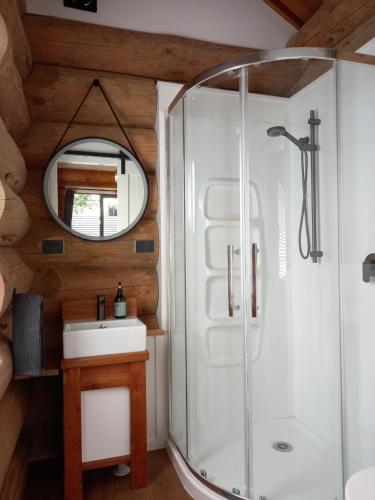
(157, 397)
(166, 92)
(357, 106)
(315, 287)
(157, 401)
(248, 23)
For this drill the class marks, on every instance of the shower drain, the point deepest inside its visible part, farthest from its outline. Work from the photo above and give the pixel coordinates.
(282, 446)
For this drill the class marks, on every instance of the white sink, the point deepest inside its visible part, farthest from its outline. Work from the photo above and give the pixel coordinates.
(96, 338)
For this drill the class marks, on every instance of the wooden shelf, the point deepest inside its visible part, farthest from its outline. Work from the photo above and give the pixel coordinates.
(105, 360)
(51, 369)
(154, 332)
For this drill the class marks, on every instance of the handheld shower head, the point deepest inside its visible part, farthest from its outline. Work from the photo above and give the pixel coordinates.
(276, 131)
(279, 130)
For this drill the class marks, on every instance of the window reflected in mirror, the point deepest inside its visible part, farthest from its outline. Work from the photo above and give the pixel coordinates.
(96, 189)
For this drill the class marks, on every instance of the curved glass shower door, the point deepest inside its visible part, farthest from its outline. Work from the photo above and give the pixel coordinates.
(215, 359)
(207, 197)
(255, 375)
(295, 331)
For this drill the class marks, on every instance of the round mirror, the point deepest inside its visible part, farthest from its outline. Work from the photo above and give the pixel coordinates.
(95, 189)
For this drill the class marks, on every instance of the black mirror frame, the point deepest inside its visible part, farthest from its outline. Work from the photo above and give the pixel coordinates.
(57, 219)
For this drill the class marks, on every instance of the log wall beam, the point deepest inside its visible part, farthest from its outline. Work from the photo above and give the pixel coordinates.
(14, 274)
(14, 218)
(10, 10)
(12, 164)
(42, 137)
(53, 94)
(81, 45)
(13, 108)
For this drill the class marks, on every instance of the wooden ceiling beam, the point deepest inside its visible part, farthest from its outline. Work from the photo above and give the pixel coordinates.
(340, 24)
(164, 57)
(295, 12)
(285, 12)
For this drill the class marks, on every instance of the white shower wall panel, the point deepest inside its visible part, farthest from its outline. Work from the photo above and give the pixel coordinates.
(270, 331)
(211, 177)
(218, 343)
(357, 105)
(314, 286)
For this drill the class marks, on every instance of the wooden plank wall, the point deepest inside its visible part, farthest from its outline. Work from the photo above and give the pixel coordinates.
(87, 268)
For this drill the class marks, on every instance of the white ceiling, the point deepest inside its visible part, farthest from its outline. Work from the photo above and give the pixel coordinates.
(248, 23)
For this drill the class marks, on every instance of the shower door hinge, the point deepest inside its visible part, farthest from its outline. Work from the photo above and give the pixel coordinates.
(204, 473)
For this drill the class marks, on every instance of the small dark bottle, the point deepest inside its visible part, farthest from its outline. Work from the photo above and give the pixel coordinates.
(120, 303)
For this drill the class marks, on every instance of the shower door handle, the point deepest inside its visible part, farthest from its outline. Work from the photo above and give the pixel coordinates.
(231, 305)
(254, 256)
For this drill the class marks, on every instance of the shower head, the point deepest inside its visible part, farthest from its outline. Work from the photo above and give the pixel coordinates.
(278, 131)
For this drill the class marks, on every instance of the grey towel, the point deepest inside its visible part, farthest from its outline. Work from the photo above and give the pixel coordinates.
(28, 345)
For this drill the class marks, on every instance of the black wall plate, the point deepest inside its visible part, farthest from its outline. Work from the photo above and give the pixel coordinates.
(88, 5)
(144, 246)
(53, 246)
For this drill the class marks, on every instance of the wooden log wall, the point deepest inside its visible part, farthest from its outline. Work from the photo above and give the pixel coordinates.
(11, 12)
(87, 268)
(15, 62)
(13, 108)
(12, 164)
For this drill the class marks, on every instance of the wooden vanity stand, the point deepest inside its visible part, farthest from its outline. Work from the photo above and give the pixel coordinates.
(101, 372)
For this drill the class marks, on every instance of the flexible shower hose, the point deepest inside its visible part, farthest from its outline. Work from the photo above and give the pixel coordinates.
(304, 221)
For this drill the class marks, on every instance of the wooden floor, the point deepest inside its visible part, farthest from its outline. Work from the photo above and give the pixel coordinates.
(46, 482)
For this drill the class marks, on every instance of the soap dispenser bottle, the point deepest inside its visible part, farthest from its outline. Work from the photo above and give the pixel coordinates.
(120, 303)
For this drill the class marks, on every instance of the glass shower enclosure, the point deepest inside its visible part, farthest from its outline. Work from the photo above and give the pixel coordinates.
(255, 372)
